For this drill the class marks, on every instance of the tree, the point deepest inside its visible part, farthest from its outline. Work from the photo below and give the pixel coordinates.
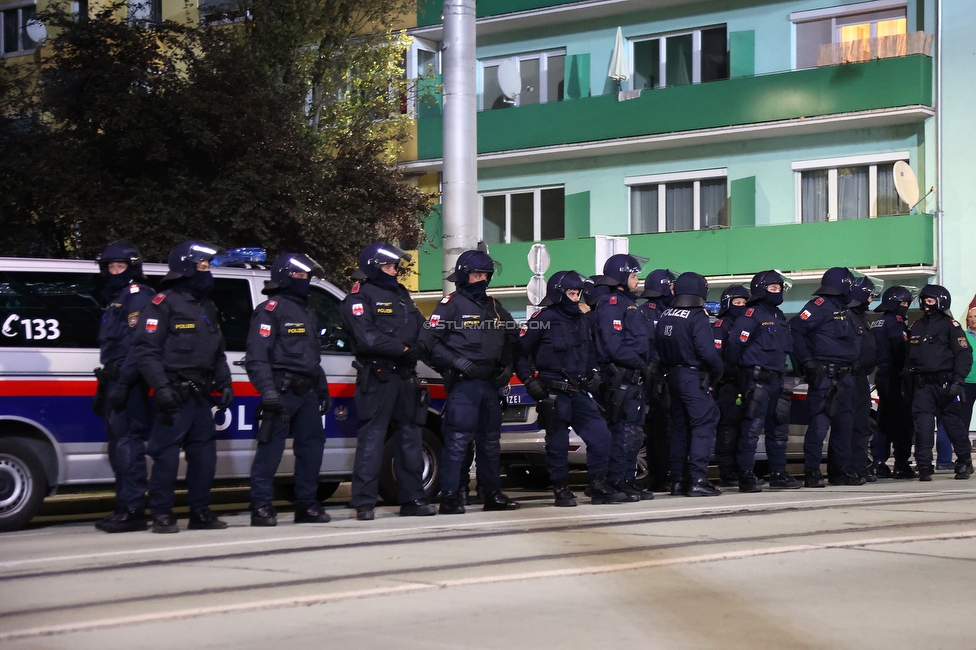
(277, 131)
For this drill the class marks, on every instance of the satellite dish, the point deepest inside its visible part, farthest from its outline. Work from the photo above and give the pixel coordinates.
(36, 30)
(535, 291)
(906, 184)
(538, 258)
(509, 79)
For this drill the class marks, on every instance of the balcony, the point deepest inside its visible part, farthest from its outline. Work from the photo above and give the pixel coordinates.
(905, 240)
(870, 93)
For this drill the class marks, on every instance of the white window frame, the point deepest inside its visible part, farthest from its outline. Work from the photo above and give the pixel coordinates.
(412, 67)
(870, 161)
(542, 55)
(24, 4)
(842, 16)
(696, 47)
(536, 210)
(662, 180)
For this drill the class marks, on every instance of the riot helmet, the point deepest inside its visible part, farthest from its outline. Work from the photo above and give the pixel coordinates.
(281, 274)
(472, 261)
(836, 281)
(941, 295)
(690, 290)
(559, 284)
(617, 269)
(658, 284)
(376, 255)
(592, 291)
(759, 287)
(863, 291)
(732, 292)
(892, 298)
(183, 259)
(109, 283)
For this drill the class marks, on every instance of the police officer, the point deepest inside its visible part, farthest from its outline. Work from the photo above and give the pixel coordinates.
(688, 354)
(895, 426)
(386, 325)
(553, 366)
(626, 359)
(939, 358)
(826, 346)
(657, 425)
(472, 341)
(126, 409)
(758, 345)
(727, 396)
(179, 350)
(862, 294)
(283, 363)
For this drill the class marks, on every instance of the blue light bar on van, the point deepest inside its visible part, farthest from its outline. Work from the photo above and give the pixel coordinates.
(240, 256)
(712, 307)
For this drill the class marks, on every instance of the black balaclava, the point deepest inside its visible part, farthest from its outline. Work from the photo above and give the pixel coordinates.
(477, 291)
(774, 299)
(201, 284)
(298, 288)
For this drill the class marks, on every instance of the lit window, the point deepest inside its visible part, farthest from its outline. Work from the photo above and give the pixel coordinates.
(679, 59)
(860, 32)
(542, 77)
(677, 202)
(523, 215)
(853, 188)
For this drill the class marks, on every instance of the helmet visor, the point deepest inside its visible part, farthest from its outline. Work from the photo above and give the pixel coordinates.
(202, 252)
(305, 264)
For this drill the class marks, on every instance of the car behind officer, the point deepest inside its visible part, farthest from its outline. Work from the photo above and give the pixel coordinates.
(386, 324)
(283, 363)
(554, 349)
(687, 349)
(939, 358)
(179, 349)
(472, 341)
(126, 404)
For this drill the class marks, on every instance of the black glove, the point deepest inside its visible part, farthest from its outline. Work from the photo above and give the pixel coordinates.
(593, 381)
(166, 400)
(957, 391)
(271, 401)
(810, 370)
(647, 374)
(226, 397)
(414, 353)
(535, 389)
(326, 400)
(118, 396)
(503, 377)
(466, 368)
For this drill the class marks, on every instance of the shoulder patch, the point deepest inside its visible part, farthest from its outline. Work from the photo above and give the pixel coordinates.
(613, 300)
(133, 319)
(265, 330)
(435, 320)
(271, 305)
(357, 309)
(446, 299)
(718, 343)
(963, 343)
(160, 297)
(133, 288)
(355, 288)
(804, 315)
(631, 306)
(523, 329)
(750, 311)
(900, 319)
(151, 325)
(718, 323)
(652, 305)
(819, 301)
(618, 325)
(743, 336)
(955, 323)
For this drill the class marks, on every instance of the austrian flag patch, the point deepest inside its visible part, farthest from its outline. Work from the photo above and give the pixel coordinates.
(805, 315)
(265, 330)
(151, 324)
(523, 329)
(618, 325)
(718, 343)
(357, 309)
(435, 320)
(743, 336)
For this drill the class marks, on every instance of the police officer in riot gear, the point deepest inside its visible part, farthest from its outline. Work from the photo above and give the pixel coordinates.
(386, 325)
(939, 359)
(472, 341)
(283, 363)
(895, 426)
(758, 345)
(179, 350)
(554, 349)
(826, 346)
(626, 359)
(688, 354)
(125, 407)
(862, 293)
(727, 396)
(657, 427)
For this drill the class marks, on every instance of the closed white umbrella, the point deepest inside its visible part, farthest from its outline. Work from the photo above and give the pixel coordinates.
(619, 67)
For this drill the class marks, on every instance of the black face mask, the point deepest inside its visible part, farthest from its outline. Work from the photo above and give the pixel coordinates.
(902, 311)
(299, 287)
(571, 307)
(774, 299)
(929, 309)
(112, 284)
(385, 281)
(477, 290)
(201, 284)
(735, 311)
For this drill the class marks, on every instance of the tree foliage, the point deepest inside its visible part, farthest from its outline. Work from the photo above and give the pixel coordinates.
(279, 130)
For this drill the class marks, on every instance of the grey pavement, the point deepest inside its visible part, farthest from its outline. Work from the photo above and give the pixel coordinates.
(842, 567)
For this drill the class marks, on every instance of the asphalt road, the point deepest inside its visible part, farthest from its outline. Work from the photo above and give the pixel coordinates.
(841, 567)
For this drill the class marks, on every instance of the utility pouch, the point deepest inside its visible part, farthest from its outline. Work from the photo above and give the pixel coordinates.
(830, 400)
(450, 378)
(547, 412)
(758, 394)
(423, 403)
(98, 401)
(616, 407)
(783, 405)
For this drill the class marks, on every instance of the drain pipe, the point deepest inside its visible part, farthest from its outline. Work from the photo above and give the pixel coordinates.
(939, 216)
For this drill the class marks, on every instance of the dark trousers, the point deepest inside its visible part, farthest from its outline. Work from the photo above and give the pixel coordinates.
(729, 421)
(127, 432)
(763, 422)
(861, 424)
(657, 431)
(193, 429)
(840, 424)
(472, 412)
(627, 436)
(896, 427)
(930, 401)
(394, 405)
(305, 426)
(695, 417)
(577, 409)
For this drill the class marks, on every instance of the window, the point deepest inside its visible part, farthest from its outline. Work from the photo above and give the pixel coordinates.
(677, 202)
(145, 11)
(51, 310)
(523, 215)
(423, 66)
(326, 306)
(543, 77)
(848, 188)
(860, 32)
(679, 59)
(13, 28)
(233, 301)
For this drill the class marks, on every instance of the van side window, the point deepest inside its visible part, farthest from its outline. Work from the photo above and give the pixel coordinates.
(49, 310)
(233, 300)
(326, 306)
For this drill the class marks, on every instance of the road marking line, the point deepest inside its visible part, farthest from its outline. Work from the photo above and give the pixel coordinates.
(321, 599)
(621, 513)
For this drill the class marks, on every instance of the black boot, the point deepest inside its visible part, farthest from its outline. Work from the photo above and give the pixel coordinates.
(164, 522)
(621, 486)
(812, 478)
(564, 496)
(679, 488)
(127, 521)
(846, 476)
(264, 516)
(783, 481)
(601, 493)
(880, 469)
(904, 471)
(464, 493)
(728, 479)
(749, 483)
(311, 513)
(205, 519)
(964, 468)
(645, 495)
(451, 504)
(925, 472)
(498, 501)
(702, 487)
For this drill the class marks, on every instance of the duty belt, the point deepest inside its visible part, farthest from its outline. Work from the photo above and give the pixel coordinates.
(296, 383)
(385, 365)
(834, 370)
(564, 385)
(762, 375)
(941, 378)
(633, 376)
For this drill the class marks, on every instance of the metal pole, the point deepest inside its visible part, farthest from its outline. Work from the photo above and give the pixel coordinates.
(460, 170)
(939, 226)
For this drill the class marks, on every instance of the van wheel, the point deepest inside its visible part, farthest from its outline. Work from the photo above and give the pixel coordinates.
(431, 451)
(22, 484)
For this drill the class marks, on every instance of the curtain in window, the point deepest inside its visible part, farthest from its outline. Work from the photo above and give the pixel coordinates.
(813, 196)
(852, 193)
(889, 202)
(643, 209)
(678, 65)
(680, 207)
(713, 209)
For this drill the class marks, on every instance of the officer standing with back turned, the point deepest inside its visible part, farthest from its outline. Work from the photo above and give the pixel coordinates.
(179, 350)
(386, 324)
(283, 363)
(126, 407)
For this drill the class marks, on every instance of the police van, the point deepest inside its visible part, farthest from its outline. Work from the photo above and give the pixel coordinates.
(50, 437)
